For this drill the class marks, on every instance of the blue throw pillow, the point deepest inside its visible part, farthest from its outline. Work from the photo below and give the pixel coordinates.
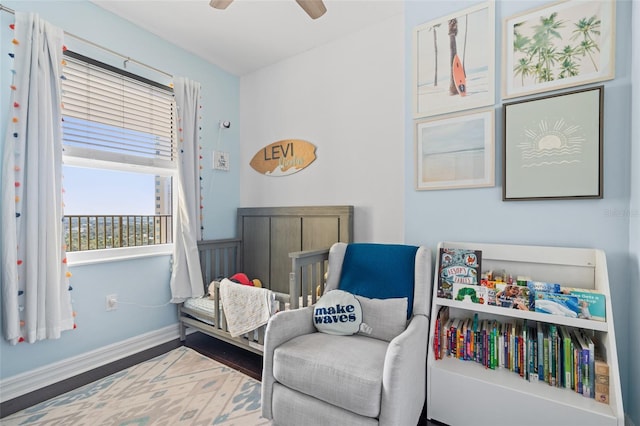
(379, 271)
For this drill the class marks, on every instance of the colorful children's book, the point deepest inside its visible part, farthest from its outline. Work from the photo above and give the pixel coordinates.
(540, 336)
(584, 364)
(457, 266)
(470, 293)
(535, 286)
(591, 304)
(453, 337)
(556, 304)
(567, 357)
(553, 359)
(439, 331)
(512, 296)
(592, 358)
(577, 363)
(446, 336)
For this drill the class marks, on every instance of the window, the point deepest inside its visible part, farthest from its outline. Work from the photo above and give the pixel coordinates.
(119, 157)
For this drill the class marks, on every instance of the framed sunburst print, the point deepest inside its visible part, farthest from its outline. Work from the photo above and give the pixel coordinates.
(553, 146)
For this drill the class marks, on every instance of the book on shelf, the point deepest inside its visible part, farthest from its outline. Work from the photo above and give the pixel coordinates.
(577, 363)
(601, 376)
(493, 345)
(512, 296)
(601, 380)
(566, 301)
(556, 304)
(583, 363)
(561, 356)
(485, 333)
(454, 336)
(532, 375)
(592, 358)
(536, 286)
(553, 359)
(446, 338)
(567, 357)
(441, 320)
(540, 337)
(470, 293)
(457, 266)
(591, 304)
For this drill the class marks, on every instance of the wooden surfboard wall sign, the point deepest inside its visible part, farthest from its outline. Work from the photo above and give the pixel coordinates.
(284, 157)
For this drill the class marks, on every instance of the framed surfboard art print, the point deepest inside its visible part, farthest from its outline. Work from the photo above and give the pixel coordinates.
(567, 44)
(454, 62)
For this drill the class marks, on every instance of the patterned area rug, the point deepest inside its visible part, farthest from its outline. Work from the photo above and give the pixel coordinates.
(180, 387)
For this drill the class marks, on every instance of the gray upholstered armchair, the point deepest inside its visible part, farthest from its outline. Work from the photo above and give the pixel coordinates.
(376, 376)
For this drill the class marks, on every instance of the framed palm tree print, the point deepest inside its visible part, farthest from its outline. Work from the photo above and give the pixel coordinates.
(454, 62)
(569, 43)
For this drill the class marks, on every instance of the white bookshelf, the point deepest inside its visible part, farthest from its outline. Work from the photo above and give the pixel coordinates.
(465, 393)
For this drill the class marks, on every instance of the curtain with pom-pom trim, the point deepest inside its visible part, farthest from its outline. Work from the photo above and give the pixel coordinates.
(36, 303)
(186, 276)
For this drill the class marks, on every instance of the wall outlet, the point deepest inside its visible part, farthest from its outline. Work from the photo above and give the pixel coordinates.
(112, 302)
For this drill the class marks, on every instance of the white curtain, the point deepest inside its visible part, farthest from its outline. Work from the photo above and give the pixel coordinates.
(36, 303)
(186, 276)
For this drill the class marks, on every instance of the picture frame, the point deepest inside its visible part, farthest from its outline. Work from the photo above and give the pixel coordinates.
(456, 151)
(552, 146)
(471, 60)
(578, 38)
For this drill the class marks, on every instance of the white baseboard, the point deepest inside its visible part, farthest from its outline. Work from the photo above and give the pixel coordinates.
(15, 386)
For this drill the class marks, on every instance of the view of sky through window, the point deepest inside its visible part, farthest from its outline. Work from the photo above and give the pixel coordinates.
(90, 191)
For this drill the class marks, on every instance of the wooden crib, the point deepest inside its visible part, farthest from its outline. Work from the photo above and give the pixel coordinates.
(286, 248)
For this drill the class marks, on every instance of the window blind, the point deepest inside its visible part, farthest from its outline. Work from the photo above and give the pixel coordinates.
(111, 116)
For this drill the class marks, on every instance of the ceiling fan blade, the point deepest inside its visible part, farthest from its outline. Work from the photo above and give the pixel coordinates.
(220, 4)
(314, 8)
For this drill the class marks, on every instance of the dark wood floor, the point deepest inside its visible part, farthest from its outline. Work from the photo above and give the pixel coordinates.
(239, 359)
(233, 356)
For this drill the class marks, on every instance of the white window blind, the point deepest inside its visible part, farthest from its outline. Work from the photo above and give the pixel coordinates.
(111, 116)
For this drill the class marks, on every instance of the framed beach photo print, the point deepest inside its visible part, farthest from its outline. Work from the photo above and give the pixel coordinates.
(567, 44)
(454, 62)
(553, 146)
(455, 151)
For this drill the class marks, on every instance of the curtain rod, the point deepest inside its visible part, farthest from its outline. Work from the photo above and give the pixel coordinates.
(83, 40)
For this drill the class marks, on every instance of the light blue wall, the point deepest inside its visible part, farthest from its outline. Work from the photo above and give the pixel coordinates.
(140, 281)
(481, 215)
(634, 217)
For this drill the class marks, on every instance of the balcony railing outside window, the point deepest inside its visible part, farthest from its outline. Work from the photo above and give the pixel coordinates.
(104, 232)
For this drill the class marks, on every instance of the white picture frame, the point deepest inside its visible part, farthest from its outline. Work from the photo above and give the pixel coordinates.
(579, 37)
(456, 151)
(434, 50)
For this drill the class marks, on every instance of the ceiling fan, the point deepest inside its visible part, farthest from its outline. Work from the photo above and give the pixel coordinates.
(314, 8)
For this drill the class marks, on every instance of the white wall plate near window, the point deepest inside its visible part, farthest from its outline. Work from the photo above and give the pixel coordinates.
(221, 160)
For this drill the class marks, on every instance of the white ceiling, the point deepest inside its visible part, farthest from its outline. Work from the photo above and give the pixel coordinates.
(249, 34)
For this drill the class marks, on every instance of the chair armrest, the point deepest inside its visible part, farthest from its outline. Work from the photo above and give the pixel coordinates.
(282, 327)
(404, 376)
